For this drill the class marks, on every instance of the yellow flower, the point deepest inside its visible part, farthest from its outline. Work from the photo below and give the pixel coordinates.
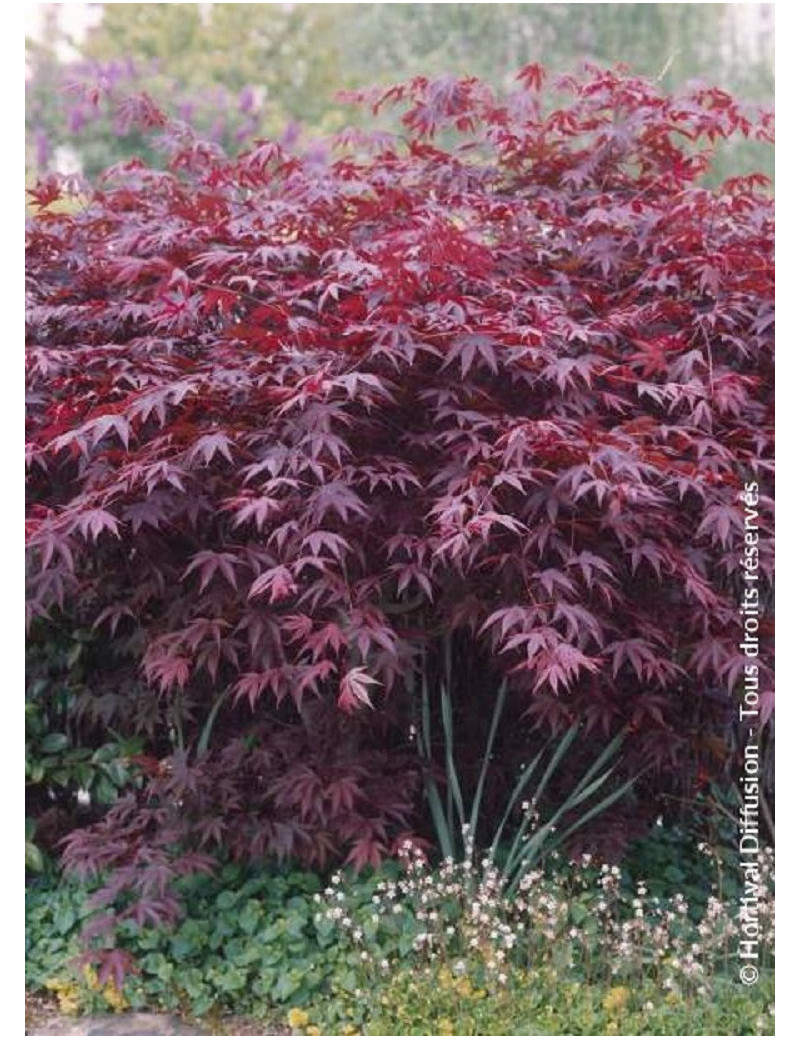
(445, 1027)
(67, 994)
(297, 1018)
(90, 975)
(463, 988)
(616, 998)
(115, 998)
(68, 1005)
(313, 1031)
(672, 998)
(350, 1030)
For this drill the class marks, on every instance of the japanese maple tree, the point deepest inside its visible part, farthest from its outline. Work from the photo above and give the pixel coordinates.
(297, 419)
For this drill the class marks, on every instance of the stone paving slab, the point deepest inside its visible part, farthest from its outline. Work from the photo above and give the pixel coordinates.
(119, 1025)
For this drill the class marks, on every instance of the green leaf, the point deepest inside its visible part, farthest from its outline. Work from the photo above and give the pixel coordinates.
(521, 784)
(251, 917)
(75, 654)
(64, 920)
(182, 948)
(284, 988)
(226, 900)
(53, 743)
(444, 832)
(578, 913)
(34, 860)
(104, 792)
(205, 736)
(453, 785)
(487, 756)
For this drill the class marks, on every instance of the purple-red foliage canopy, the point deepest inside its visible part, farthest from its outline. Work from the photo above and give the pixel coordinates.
(291, 418)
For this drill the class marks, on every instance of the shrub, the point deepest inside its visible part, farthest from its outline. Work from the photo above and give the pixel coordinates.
(472, 403)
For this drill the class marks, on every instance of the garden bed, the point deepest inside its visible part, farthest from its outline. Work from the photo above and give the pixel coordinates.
(581, 948)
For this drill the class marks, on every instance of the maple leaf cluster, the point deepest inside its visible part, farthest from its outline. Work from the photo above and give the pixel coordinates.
(294, 418)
